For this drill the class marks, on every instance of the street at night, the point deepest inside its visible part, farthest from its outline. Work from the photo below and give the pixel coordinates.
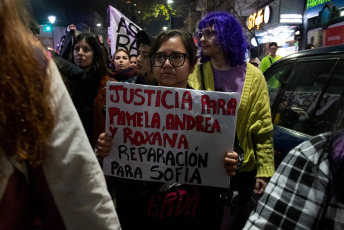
(171, 114)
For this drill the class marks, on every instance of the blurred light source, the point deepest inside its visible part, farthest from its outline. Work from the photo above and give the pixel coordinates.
(99, 25)
(164, 28)
(169, 1)
(52, 19)
(254, 42)
(291, 18)
(47, 28)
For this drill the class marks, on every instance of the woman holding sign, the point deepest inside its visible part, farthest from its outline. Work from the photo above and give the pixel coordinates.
(157, 205)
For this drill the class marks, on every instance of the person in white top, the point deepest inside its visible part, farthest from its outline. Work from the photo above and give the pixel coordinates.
(49, 175)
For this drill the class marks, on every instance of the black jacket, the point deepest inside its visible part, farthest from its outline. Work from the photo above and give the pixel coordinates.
(83, 88)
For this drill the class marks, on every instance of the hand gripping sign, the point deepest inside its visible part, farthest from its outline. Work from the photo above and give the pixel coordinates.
(169, 134)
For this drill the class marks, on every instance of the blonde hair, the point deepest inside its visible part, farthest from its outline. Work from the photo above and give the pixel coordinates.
(26, 119)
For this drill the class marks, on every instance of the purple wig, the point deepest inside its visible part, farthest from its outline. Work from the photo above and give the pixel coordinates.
(229, 35)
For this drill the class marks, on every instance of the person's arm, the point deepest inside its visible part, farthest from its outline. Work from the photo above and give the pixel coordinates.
(295, 195)
(71, 168)
(70, 34)
(262, 134)
(265, 160)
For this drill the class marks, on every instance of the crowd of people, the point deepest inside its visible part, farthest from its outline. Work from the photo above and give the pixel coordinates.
(54, 105)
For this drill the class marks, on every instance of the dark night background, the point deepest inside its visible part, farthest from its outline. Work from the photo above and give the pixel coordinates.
(89, 12)
(68, 11)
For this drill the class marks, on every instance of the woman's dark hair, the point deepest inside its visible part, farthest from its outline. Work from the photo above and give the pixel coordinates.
(187, 40)
(99, 61)
(229, 35)
(309, 46)
(273, 44)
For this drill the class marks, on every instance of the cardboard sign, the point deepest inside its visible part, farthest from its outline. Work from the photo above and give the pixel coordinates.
(169, 134)
(122, 32)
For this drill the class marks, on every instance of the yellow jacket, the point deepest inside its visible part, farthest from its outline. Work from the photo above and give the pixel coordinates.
(253, 118)
(266, 63)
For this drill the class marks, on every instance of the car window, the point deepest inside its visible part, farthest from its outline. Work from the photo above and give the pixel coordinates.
(302, 93)
(275, 78)
(323, 115)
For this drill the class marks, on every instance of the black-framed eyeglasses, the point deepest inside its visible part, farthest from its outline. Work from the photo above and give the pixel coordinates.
(176, 59)
(207, 34)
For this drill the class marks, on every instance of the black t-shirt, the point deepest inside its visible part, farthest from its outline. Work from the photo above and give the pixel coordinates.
(155, 205)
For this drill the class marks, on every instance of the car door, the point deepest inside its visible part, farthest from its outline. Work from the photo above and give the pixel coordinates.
(302, 100)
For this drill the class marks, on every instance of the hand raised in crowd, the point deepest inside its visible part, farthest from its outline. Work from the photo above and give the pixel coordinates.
(261, 183)
(104, 144)
(72, 28)
(101, 40)
(231, 163)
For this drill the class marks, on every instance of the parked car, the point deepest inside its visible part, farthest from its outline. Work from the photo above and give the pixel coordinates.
(304, 88)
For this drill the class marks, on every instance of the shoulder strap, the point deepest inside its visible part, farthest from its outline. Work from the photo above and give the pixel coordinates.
(270, 60)
(202, 77)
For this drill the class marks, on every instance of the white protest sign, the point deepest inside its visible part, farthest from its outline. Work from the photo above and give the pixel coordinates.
(122, 32)
(169, 134)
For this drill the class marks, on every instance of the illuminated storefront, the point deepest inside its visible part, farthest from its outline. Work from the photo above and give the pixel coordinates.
(277, 22)
(325, 22)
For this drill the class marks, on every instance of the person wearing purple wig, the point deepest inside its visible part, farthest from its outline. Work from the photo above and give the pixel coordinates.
(223, 50)
(307, 190)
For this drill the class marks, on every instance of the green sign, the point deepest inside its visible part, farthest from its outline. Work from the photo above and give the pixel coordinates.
(314, 3)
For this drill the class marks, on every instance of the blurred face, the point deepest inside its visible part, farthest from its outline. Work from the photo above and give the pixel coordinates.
(121, 61)
(207, 38)
(83, 55)
(132, 62)
(167, 74)
(143, 62)
(283, 105)
(273, 50)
